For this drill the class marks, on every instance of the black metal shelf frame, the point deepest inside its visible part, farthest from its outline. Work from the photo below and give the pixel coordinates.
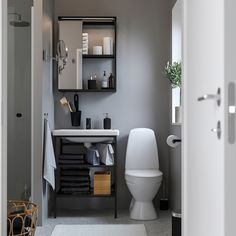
(89, 90)
(85, 195)
(89, 56)
(58, 150)
(75, 166)
(95, 21)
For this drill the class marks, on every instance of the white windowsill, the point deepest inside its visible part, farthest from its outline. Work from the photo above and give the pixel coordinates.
(176, 124)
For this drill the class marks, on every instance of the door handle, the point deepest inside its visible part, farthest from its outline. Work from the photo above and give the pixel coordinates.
(217, 130)
(215, 97)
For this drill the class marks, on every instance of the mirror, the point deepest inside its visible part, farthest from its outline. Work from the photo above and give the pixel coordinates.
(62, 55)
(70, 44)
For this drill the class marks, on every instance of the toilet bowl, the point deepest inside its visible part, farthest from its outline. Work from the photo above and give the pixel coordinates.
(142, 174)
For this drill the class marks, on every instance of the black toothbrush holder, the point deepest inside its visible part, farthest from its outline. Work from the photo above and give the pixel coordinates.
(75, 118)
(76, 115)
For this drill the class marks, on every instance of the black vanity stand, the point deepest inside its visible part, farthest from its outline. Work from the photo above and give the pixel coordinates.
(58, 146)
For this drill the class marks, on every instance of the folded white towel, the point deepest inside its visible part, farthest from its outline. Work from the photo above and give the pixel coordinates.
(49, 158)
(106, 153)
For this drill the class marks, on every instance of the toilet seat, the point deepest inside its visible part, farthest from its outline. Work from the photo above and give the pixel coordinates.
(144, 173)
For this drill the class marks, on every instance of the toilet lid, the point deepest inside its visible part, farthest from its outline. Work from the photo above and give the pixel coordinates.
(144, 173)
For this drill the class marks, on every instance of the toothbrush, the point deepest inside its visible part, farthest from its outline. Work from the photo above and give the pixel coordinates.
(65, 102)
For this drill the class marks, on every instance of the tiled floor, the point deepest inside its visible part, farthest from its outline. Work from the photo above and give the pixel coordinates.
(160, 227)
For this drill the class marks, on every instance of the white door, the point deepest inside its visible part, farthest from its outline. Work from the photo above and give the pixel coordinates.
(209, 158)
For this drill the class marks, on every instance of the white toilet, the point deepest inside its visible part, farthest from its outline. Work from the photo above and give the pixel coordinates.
(142, 173)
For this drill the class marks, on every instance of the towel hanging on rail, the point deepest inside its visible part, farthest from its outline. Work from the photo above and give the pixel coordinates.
(49, 157)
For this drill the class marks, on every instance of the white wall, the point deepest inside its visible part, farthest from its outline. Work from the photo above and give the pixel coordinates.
(142, 97)
(175, 171)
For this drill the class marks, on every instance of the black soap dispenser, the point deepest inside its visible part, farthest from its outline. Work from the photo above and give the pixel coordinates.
(107, 122)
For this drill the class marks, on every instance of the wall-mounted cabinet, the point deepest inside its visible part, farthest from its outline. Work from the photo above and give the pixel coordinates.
(91, 45)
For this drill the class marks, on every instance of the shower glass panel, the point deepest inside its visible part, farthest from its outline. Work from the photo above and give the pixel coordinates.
(19, 99)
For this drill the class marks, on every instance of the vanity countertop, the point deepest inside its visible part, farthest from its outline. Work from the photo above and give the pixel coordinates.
(86, 132)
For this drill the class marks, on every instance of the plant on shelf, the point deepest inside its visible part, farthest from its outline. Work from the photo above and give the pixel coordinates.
(173, 73)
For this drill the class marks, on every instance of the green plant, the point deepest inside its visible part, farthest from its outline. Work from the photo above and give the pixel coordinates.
(173, 73)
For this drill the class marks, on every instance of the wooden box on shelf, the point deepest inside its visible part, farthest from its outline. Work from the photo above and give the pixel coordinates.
(102, 183)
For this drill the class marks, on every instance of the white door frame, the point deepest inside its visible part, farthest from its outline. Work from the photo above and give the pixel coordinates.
(3, 116)
(36, 108)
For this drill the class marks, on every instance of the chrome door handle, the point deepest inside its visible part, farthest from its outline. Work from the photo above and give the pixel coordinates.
(215, 97)
(208, 97)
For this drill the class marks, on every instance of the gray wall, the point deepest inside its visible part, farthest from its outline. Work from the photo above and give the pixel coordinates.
(175, 171)
(42, 99)
(48, 99)
(175, 166)
(142, 97)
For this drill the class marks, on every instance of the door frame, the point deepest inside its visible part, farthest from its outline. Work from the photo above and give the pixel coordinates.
(3, 116)
(36, 108)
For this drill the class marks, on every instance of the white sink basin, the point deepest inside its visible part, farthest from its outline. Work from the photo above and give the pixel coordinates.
(85, 132)
(89, 135)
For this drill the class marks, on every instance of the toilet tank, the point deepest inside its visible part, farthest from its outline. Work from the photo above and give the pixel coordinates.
(141, 152)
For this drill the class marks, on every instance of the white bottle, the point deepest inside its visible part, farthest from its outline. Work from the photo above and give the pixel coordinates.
(105, 83)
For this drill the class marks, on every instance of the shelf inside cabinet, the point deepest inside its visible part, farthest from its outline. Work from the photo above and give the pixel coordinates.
(88, 90)
(85, 195)
(76, 166)
(87, 56)
(102, 23)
